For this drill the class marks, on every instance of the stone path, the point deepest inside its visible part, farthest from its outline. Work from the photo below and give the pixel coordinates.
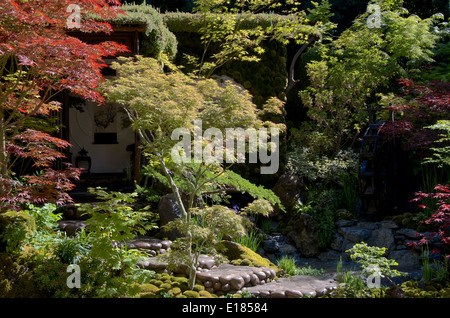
(295, 287)
(227, 278)
(262, 282)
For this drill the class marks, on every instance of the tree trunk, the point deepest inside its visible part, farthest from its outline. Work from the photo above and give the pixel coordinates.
(3, 154)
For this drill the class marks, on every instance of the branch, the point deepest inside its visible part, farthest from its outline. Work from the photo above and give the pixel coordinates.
(220, 190)
(174, 187)
(291, 81)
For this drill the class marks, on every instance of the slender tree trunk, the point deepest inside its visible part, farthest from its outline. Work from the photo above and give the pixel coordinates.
(3, 153)
(186, 217)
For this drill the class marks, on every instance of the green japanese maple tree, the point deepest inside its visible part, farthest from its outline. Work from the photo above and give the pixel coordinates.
(159, 102)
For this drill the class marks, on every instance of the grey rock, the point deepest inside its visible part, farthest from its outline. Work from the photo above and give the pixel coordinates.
(142, 245)
(337, 242)
(71, 226)
(226, 287)
(409, 233)
(345, 223)
(261, 274)
(289, 188)
(277, 237)
(270, 246)
(304, 236)
(330, 255)
(354, 234)
(405, 257)
(367, 225)
(287, 249)
(168, 211)
(388, 225)
(166, 244)
(382, 238)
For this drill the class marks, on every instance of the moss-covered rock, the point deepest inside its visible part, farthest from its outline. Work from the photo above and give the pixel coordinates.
(148, 291)
(444, 293)
(205, 294)
(166, 286)
(156, 282)
(191, 294)
(241, 255)
(177, 287)
(175, 291)
(198, 287)
(413, 290)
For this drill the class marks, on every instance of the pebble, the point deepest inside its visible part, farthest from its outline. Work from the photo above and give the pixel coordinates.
(293, 293)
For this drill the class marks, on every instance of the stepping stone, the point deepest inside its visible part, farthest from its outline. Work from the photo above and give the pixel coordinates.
(71, 226)
(150, 244)
(229, 278)
(159, 265)
(294, 287)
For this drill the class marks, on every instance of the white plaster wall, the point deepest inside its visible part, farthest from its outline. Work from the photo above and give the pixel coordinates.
(106, 158)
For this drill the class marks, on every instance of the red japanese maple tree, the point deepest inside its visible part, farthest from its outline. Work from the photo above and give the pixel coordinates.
(440, 218)
(38, 59)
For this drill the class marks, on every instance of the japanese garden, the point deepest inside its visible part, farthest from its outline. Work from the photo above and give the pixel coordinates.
(224, 149)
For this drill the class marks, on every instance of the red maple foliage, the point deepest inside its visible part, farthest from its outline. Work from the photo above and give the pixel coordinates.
(37, 60)
(46, 184)
(440, 218)
(425, 104)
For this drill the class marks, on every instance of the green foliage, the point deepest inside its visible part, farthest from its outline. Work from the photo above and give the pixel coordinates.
(191, 22)
(441, 155)
(252, 240)
(45, 216)
(369, 58)
(352, 285)
(322, 213)
(200, 236)
(17, 229)
(16, 280)
(441, 68)
(113, 222)
(330, 181)
(290, 268)
(157, 37)
(350, 193)
(434, 271)
(322, 170)
(71, 250)
(226, 34)
(372, 260)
